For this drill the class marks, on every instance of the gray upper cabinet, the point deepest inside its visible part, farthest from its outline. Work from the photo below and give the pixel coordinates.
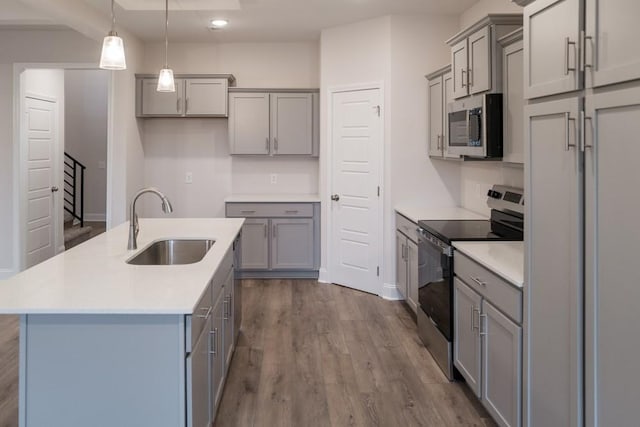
(475, 62)
(513, 97)
(255, 244)
(292, 244)
(554, 264)
(551, 57)
(249, 123)
(273, 123)
(195, 96)
(440, 91)
(292, 123)
(611, 42)
(466, 347)
(612, 243)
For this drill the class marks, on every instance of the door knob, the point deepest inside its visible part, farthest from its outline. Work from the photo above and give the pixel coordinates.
(335, 197)
(54, 189)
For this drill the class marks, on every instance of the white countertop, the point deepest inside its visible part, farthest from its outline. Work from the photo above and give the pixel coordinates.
(506, 259)
(94, 278)
(416, 212)
(273, 198)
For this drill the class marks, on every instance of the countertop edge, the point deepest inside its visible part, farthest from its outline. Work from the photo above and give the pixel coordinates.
(515, 283)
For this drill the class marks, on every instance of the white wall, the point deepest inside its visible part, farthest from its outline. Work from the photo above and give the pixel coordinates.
(173, 147)
(484, 7)
(50, 84)
(86, 135)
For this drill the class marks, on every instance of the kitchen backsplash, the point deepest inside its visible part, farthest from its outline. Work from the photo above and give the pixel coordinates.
(478, 177)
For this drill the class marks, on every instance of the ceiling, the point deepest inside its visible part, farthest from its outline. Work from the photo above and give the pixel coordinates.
(259, 20)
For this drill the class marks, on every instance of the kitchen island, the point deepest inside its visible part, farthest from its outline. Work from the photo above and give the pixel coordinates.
(106, 343)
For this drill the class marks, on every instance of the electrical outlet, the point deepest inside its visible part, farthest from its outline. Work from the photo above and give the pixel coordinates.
(188, 178)
(274, 178)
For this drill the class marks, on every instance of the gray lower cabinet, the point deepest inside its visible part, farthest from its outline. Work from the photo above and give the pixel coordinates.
(407, 262)
(216, 352)
(198, 412)
(401, 264)
(228, 316)
(278, 239)
(488, 339)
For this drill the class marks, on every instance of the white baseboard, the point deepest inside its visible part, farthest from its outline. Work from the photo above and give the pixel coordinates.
(95, 217)
(5, 273)
(323, 276)
(390, 292)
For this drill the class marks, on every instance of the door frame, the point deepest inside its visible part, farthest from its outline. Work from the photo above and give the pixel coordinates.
(326, 198)
(19, 166)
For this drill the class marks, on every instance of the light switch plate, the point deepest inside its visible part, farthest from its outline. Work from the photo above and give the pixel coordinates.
(188, 178)
(274, 178)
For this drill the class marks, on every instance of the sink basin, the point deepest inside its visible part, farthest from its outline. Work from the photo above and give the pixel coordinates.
(173, 252)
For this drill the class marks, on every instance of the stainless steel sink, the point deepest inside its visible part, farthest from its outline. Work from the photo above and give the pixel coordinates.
(173, 252)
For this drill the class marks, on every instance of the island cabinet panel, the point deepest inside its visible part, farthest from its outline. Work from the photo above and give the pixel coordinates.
(228, 316)
(102, 370)
(198, 406)
(216, 360)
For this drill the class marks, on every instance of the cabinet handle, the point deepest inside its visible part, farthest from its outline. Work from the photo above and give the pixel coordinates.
(265, 230)
(186, 105)
(567, 43)
(292, 211)
(275, 144)
(225, 308)
(213, 344)
(205, 316)
(567, 131)
(266, 144)
(478, 281)
(275, 234)
(584, 53)
(462, 78)
(469, 77)
(178, 105)
(437, 142)
(483, 330)
(475, 310)
(247, 212)
(584, 132)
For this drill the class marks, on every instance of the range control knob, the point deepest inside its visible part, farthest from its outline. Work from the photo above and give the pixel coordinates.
(494, 194)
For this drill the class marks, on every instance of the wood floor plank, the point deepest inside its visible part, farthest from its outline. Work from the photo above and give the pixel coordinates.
(9, 346)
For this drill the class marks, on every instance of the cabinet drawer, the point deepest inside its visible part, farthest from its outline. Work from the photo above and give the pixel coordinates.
(249, 210)
(199, 318)
(407, 227)
(495, 289)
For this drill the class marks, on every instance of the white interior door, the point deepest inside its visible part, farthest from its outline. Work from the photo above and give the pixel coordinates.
(356, 237)
(41, 145)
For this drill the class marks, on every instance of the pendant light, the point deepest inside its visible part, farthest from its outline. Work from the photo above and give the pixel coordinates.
(112, 57)
(165, 79)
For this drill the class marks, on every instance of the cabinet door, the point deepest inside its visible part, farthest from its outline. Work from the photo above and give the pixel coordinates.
(611, 46)
(255, 244)
(553, 270)
(156, 103)
(459, 68)
(501, 366)
(435, 117)
(216, 354)
(513, 108)
(198, 387)
(479, 73)
(401, 264)
(551, 32)
(292, 123)
(412, 274)
(612, 244)
(249, 123)
(447, 95)
(228, 320)
(292, 244)
(206, 97)
(466, 335)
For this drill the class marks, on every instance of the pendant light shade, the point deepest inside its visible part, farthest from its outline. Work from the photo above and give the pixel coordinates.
(112, 57)
(165, 79)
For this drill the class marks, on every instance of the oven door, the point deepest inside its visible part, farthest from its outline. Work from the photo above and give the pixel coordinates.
(435, 287)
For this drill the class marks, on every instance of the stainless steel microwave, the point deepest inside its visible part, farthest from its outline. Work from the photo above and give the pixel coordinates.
(475, 126)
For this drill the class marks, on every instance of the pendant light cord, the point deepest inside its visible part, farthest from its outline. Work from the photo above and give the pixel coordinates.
(113, 17)
(166, 35)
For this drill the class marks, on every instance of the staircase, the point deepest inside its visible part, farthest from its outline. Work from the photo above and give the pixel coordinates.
(74, 233)
(74, 230)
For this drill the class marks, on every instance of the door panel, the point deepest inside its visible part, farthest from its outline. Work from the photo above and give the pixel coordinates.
(356, 142)
(216, 354)
(255, 244)
(466, 337)
(198, 387)
(612, 50)
(292, 244)
(435, 117)
(156, 103)
(479, 74)
(553, 265)
(612, 244)
(513, 85)
(249, 123)
(41, 146)
(206, 97)
(551, 33)
(459, 66)
(502, 367)
(292, 123)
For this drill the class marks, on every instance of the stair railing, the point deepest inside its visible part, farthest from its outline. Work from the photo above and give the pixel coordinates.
(74, 196)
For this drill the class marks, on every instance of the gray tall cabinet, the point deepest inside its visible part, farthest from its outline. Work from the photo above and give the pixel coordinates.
(582, 79)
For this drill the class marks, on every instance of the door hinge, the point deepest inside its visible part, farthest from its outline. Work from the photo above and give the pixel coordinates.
(378, 191)
(378, 271)
(377, 108)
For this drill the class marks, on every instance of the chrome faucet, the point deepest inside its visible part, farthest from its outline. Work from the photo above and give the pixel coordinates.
(134, 227)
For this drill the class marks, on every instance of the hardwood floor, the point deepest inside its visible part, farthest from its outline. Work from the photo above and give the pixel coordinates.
(312, 354)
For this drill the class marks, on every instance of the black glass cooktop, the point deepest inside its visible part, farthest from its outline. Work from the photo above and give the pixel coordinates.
(450, 230)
